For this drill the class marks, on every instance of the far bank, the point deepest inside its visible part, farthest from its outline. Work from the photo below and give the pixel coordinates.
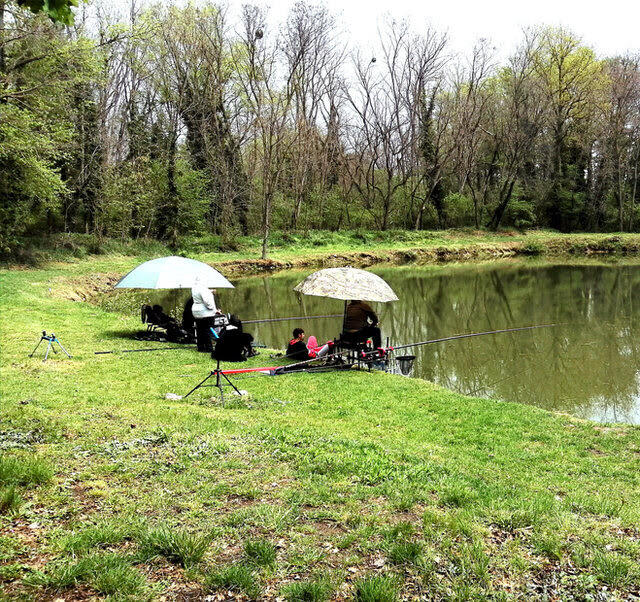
(287, 250)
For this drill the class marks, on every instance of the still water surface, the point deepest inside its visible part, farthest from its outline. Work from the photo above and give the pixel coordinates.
(588, 366)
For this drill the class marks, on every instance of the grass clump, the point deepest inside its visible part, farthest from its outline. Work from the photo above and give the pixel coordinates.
(108, 574)
(9, 548)
(260, 552)
(400, 530)
(315, 590)
(235, 577)
(102, 534)
(457, 496)
(10, 500)
(118, 580)
(26, 472)
(548, 543)
(532, 248)
(181, 547)
(405, 552)
(378, 588)
(614, 569)
(473, 562)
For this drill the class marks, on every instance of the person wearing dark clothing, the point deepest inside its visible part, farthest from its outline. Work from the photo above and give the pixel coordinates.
(298, 350)
(361, 322)
(188, 321)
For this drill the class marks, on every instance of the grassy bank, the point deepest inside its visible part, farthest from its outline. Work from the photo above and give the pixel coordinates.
(327, 486)
(242, 254)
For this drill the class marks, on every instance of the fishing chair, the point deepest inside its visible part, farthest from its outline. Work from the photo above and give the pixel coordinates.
(353, 345)
(158, 321)
(154, 317)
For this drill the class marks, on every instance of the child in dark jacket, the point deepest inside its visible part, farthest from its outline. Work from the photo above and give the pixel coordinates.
(298, 350)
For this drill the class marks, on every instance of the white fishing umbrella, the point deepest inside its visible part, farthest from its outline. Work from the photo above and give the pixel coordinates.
(346, 284)
(173, 273)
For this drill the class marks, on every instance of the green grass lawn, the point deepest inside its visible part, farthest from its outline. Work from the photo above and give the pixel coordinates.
(363, 486)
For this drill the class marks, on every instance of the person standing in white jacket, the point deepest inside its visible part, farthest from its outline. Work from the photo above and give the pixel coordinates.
(204, 310)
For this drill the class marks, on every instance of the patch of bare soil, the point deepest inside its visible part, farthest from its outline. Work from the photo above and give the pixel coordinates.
(87, 288)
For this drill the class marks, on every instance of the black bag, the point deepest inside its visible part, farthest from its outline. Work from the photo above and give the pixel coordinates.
(177, 334)
(233, 345)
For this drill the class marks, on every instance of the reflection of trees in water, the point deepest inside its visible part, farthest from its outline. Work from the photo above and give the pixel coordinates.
(588, 365)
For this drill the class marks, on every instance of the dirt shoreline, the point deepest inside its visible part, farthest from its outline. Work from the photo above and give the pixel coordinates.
(613, 245)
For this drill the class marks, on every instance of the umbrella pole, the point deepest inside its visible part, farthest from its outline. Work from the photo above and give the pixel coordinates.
(344, 316)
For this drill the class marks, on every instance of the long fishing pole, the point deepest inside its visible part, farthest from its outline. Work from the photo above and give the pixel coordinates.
(291, 368)
(137, 350)
(292, 318)
(464, 336)
(282, 369)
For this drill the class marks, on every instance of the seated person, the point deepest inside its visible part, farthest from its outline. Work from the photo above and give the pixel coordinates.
(297, 349)
(361, 322)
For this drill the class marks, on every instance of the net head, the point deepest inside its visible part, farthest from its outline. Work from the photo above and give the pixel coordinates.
(405, 363)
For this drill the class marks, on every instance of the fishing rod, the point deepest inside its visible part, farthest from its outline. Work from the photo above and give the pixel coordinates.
(137, 350)
(284, 369)
(462, 336)
(292, 318)
(305, 365)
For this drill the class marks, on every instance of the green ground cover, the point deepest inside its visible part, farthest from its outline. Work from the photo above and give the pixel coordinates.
(89, 252)
(362, 486)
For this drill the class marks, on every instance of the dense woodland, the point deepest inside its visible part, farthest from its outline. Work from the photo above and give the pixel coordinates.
(161, 121)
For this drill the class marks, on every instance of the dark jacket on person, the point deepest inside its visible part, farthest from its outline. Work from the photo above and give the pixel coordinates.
(358, 314)
(297, 350)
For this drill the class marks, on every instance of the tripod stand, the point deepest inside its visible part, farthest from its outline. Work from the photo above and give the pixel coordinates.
(219, 384)
(51, 339)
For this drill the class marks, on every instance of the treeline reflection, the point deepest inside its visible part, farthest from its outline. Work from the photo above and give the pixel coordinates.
(587, 365)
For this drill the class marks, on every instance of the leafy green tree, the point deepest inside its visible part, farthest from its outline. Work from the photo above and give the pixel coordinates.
(42, 66)
(57, 10)
(571, 80)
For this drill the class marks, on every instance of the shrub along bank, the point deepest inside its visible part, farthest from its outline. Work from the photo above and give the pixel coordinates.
(355, 485)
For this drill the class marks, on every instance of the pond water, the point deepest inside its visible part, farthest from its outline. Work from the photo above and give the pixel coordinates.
(588, 365)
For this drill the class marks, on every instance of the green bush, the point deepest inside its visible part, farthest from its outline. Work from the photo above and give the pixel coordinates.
(458, 209)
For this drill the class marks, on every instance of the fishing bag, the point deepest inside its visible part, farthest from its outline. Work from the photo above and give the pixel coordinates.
(233, 345)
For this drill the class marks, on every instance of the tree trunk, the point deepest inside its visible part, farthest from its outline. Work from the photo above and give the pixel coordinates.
(633, 193)
(171, 223)
(266, 220)
(498, 214)
(3, 64)
(620, 197)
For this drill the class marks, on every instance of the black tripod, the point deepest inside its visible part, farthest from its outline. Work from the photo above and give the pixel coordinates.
(51, 339)
(218, 374)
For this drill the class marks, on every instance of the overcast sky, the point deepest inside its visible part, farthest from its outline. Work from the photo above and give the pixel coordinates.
(611, 27)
